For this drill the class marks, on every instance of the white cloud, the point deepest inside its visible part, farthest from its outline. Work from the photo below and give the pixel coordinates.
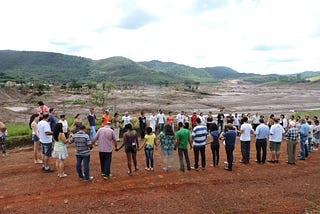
(266, 36)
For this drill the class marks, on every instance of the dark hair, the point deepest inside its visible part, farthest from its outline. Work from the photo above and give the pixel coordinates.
(214, 127)
(149, 130)
(316, 121)
(198, 120)
(128, 126)
(76, 115)
(115, 114)
(32, 119)
(45, 116)
(261, 120)
(82, 127)
(51, 110)
(245, 119)
(276, 120)
(62, 116)
(186, 125)
(271, 116)
(40, 103)
(57, 131)
(168, 130)
(180, 124)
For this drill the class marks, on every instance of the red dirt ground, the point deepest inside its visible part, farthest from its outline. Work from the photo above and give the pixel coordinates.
(252, 188)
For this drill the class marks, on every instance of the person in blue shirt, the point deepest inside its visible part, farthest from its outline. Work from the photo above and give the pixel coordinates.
(304, 130)
(229, 140)
(262, 134)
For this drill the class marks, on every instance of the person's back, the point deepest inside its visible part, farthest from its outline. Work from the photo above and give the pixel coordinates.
(276, 132)
(183, 135)
(82, 141)
(105, 136)
(131, 137)
(246, 130)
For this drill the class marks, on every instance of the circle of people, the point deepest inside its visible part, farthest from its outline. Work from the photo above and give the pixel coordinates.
(194, 131)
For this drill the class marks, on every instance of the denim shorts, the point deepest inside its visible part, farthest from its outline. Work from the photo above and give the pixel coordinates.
(47, 149)
(167, 152)
(35, 138)
(315, 140)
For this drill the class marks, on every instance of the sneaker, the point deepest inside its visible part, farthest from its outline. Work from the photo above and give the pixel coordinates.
(196, 169)
(164, 169)
(90, 178)
(107, 177)
(151, 169)
(271, 161)
(228, 169)
(38, 161)
(48, 170)
(63, 175)
(211, 165)
(148, 169)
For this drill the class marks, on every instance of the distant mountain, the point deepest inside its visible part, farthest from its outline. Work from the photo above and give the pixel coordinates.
(56, 68)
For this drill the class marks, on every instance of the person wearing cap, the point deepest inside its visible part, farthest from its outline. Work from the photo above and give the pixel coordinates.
(105, 118)
(292, 141)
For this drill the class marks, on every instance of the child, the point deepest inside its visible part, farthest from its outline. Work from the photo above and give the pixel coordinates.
(150, 141)
(3, 135)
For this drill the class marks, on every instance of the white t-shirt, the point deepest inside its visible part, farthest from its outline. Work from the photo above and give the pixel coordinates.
(276, 132)
(236, 121)
(161, 118)
(180, 118)
(43, 127)
(64, 125)
(126, 120)
(246, 131)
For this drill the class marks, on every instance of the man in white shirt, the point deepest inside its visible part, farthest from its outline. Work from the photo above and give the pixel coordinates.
(153, 121)
(126, 119)
(161, 120)
(255, 120)
(275, 138)
(180, 118)
(245, 138)
(45, 135)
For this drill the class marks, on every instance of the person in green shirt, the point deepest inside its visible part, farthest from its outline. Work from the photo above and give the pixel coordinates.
(183, 138)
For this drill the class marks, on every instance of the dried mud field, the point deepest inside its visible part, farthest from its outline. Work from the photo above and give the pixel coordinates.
(252, 188)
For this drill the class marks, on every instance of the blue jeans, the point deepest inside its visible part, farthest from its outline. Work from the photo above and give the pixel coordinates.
(302, 147)
(202, 150)
(149, 156)
(86, 169)
(161, 125)
(167, 152)
(92, 132)
(105, 162)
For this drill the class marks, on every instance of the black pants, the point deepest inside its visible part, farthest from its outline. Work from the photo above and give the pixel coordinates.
(142, 131)
(245, 151)
(105, 162)
(229, 152)
(183, 152)
(220, 125)
(261, 144)
(202, 150)
(215, 153)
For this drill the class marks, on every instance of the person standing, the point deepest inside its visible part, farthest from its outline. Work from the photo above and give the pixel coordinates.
(64, 123)
(83, 147)
(116, 126)
(142, 125)
(131, 145)
(170, 120)
(60, 149)
(183, 139)
(33, 124)
(52, 118)
(77, 123)
(148, 145)
(262, 134)
(126, 119)
(236, 121)
(3, 135)
(245, 139)
(255, 121)
(275, 138)
(45, 135)
(180, 118)
(153, 121)
(105, 137)
(215, 146)
(292, 137)
(167, 146)
(92, 123)
(209, 121)
(105, 118)
(220, 117)
(194, 119)
(229, 138)
(304, 130)
(199, 136)
(42, 109)
(161, 120)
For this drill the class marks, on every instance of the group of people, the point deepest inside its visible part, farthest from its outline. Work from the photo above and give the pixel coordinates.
(194, 133)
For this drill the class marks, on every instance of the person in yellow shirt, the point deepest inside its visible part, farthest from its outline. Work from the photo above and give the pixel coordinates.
(149, 143)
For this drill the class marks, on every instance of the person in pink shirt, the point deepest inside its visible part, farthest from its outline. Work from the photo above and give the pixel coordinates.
(42, 109)
(105, 137)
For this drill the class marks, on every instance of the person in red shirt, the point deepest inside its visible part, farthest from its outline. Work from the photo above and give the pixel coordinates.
(170, 120)
(194, 119)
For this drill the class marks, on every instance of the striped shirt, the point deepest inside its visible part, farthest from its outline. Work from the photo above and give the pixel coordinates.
(199, 135)
(82, 141)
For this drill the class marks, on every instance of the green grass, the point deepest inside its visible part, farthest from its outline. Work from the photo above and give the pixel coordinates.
(315, 78)
(18, 129)
(311, 113)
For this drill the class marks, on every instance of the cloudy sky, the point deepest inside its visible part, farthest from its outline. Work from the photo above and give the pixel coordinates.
(258, 36)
